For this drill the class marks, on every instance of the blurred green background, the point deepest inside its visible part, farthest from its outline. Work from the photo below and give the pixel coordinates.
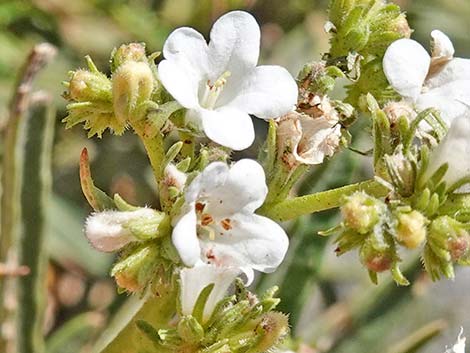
(339, 308)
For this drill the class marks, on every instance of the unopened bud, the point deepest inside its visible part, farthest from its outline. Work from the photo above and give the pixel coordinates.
(397, 110)
(133, 84)
(127, 52)
(87, 86)
(190, 330)
(459, 246)
(361, 212)
(111, 230)
(378, 262)
(411, 229)
(273, 328)
(135, 271)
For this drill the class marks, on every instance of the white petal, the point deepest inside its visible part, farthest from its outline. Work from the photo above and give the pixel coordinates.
(244, 190)
(187, 46)
(181, 82)
(185, 66)
(459, 346)
(253, 241)
(228, 127)
(454, 150)
(441, 45)
(185, 238)
(455, 70)
(234, 44)
(406, 64)
(106, 230)
(212, 177)
(194, 280)
(268, 92)
(452, 99)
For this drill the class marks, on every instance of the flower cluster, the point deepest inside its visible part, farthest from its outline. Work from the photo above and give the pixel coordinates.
(216, 224)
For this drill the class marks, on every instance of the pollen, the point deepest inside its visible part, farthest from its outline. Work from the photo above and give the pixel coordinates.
(199, 207)
(226, 223)
(206, 219)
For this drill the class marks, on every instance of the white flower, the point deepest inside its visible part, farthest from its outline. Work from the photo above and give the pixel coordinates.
(219, 82)
(308, 140)
(439, 81)
(107, 231)
(454, 149)
(218, 225)
(459, 346)
(195, 279)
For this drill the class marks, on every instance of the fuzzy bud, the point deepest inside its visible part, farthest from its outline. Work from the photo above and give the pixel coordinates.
(273, 327)
(133, 84)
(190, 330)
(361, 212)
(411, 229)
(109, 231)
(87, 86)
(127, 52)
(135, 271)
(459, 246)
(376, 261)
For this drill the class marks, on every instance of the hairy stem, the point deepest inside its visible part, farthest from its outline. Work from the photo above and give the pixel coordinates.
(321, 201)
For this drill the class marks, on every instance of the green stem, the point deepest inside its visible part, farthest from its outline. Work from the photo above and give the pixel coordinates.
(155, 152)
(321, 201)
(122, 334)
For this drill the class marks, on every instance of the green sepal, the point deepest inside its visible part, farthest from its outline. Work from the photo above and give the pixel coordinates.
(198, 310)
(97, 198)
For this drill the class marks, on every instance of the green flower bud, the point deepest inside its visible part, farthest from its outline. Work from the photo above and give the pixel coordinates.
(90, 92)
(89, 86)
(133, 84)
(411, 229)
(362, 212)
(459, 247)
(190, 330)
(127, 52)
(273, 327)
(376, 261)
(134, 272)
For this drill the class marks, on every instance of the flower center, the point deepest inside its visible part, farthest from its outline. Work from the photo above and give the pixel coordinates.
(209, 226)
(213, 90)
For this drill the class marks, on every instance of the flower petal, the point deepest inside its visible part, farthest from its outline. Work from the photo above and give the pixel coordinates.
(268, 92)
(194, 280)
(186, 64)
(234, 44)
(185, 238)
(107, 230)
(228, 127)
(244, 190)
(455, 70)
(253, 241)
(454, 150)
(188, 46)
(451, 99)
(212, 177)
(406, 64)
(442, 47)
(181, 82)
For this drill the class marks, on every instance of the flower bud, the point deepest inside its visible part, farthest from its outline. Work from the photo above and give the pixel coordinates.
(190, 330)
(395, 110)
(135, 271)
(362, 212)
(411, 229)
(378, 261)
(133, 84)
(127, 52)
(109, 231)
(87, 86)
(273, 327)
(459, 246)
